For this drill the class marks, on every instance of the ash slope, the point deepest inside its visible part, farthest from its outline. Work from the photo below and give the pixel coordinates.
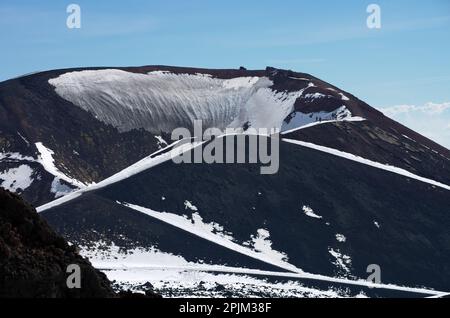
(319, 214)
(95, 122)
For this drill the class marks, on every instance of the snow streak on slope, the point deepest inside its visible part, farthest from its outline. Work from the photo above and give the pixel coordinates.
(378, 165)
(197, 282)
(14, 157)
(111, 256)
(46, 160)
(162, 101)
(265, 254)
(310, 212)
(171, 274)
(262, 244)
(299, 120)
(211, 281)
(140, 265)
(154, 159)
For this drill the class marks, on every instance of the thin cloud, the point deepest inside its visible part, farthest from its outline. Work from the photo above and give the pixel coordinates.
(428, 108)
(431, 119)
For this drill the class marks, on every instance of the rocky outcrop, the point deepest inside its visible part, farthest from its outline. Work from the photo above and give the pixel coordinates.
(34, 259)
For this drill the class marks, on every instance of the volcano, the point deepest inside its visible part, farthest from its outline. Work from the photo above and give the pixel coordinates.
(355, 190)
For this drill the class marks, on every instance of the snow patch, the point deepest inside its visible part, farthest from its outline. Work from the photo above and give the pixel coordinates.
(299, 120)
(111, 256)
(343, 97)
(341, 238)
(162, 101)
(45, 158)
(408, 138)
(262, 244)
(266, 109)
(60, 189)
(15, 156)
(341, 261)
(172, 273)
(315, 95)
(17, 179)
(210, 232)
(224, 282)
(240, 82)
(190, 206)
(299, 78)
(161, 142)
(309, 212)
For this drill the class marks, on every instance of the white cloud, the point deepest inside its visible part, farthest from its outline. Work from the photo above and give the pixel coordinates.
(428, 108)
(431, 119)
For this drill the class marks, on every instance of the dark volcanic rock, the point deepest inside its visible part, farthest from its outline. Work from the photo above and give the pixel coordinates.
(33, 258)
(381, 144)
(89, 150)
(410, 240)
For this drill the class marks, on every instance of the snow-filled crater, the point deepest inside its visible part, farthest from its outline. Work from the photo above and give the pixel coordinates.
(162, 101)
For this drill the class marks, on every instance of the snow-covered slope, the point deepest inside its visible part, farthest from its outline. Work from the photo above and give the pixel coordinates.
(298, 120)
(45, 158)
(148, 162)
(172, 275)
(368, 162)
(99, 121)
(248, 222)
(23, 174)
(162, 101)
(213, 232)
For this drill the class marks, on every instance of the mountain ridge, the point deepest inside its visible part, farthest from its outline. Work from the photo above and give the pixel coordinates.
(354, 187)
(86, 148)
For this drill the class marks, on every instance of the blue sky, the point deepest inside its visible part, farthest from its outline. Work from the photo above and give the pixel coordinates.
(406, 62)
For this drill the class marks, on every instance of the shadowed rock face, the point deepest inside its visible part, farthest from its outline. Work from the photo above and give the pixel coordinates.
(34, 259)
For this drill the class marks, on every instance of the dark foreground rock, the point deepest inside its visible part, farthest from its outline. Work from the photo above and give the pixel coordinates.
(34, 259)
